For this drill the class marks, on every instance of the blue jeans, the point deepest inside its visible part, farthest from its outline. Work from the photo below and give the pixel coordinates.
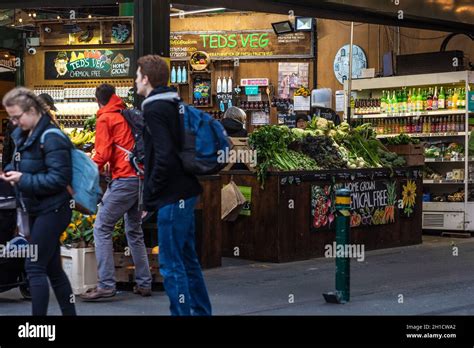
(179, 264)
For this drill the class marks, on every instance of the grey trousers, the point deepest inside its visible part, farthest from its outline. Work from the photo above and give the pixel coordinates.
(121, 198)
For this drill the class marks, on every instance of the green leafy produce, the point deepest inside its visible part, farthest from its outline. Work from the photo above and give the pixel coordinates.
(89, 124)
(323, 151)
(271, 143)
(402, 139)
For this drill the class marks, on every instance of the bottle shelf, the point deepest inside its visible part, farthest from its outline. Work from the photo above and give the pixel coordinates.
(424, 135)
(441, 160)
(414, 114)
(445, 182)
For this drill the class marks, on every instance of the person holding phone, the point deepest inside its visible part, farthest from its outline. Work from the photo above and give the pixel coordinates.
(40, 174)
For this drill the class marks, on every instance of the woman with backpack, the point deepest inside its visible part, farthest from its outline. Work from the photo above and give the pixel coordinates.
(41, 174)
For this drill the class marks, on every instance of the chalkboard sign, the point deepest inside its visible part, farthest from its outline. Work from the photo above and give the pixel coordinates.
(372, 203)
(89, 64)
(256, 44)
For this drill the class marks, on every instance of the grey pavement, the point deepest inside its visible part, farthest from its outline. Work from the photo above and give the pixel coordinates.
(428, 277)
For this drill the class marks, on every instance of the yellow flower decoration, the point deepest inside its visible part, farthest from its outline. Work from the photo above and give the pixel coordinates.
(408, 197)
(63, 237)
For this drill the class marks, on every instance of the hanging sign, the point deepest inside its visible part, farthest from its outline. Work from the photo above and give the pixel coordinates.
(255, 82)
(251, 90)
(470, 101)
(252, 44)
(89, 64)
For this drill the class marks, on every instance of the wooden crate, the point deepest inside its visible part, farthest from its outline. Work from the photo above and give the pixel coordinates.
(410, 149)
(125, 269)
(415, 160)
(414, 154)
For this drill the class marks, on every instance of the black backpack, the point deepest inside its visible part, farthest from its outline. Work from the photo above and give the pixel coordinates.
(134, 118)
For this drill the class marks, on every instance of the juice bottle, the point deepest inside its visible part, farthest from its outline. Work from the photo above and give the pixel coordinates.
(425, 100)
(404, 100)
(441, 99)
(395, 109)
(449, 100)
(383, 103)
(429, 100)
(409, 102)
(435, 99)
(455, 98)
(462, 99)
(419, 101)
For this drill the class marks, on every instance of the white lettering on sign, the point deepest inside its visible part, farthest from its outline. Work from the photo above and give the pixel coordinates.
(365, 195)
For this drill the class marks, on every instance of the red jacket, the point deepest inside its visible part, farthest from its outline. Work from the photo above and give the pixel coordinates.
(111, 129)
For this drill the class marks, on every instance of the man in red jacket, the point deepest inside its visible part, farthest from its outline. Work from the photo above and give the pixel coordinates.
(120, 199)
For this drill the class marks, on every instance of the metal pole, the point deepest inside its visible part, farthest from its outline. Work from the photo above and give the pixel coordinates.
(343, 262)
(349, 80)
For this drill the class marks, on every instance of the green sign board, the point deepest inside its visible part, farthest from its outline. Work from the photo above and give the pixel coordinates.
(247, 192)
(251, 90)
(470, 101)
(89, 64)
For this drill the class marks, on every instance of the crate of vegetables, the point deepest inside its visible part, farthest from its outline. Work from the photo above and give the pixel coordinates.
(411, 149)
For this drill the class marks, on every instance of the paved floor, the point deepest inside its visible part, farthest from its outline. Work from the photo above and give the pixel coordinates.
(428, 277)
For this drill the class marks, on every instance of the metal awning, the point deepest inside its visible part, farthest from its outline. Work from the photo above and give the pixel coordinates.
(443, 15)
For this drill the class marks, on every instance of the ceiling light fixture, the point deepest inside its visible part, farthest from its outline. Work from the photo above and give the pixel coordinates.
(217, 9)
(281, 28)
(304, 24)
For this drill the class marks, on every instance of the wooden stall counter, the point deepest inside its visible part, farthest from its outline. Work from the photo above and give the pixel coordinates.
(293, 218)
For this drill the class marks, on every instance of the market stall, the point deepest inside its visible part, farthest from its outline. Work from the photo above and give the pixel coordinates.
(291, 210)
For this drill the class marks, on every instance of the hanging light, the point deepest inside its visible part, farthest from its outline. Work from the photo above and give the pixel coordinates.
(34, 14)
(90, 16)
(20, 20)
(58, 17)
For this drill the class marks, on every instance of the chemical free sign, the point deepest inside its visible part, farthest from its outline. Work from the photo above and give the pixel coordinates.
(88, 64)
(245, 44)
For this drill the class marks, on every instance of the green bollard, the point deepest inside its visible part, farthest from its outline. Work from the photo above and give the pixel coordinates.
(343, 276)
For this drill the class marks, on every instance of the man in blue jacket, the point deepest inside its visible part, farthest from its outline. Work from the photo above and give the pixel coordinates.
(170, 190)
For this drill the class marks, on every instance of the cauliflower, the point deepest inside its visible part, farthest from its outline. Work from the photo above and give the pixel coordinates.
(322, 123)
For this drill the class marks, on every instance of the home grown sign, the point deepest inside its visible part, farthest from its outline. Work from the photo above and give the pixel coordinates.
(89, 64)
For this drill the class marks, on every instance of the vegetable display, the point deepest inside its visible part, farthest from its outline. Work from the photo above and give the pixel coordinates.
(402, 139)
(321, 146)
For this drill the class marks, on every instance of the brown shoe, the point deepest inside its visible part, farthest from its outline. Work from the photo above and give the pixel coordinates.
(97, 293)
(145, 292)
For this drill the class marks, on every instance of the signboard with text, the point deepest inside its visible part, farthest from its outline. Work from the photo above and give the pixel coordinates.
(89, 64)
(372, 203)
(242, 44)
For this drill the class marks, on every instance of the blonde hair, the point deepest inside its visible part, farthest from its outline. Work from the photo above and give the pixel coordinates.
(236, 113)
(25, 99)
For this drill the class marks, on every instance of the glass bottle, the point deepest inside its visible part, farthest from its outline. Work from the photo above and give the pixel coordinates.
(441, 99)
(435, 99)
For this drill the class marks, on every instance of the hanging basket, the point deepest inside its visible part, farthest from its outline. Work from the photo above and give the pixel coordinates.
(199, 60)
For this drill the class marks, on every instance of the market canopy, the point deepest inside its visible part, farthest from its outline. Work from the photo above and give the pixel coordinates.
(443, 15)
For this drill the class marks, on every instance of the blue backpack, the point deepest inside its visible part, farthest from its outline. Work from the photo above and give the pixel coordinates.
(86, 190)
(204, 139)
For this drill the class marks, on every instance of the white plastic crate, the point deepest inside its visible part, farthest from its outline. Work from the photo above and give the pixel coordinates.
(80, 266)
